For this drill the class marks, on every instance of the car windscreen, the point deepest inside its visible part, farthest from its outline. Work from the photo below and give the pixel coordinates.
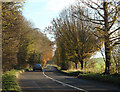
(37, 65)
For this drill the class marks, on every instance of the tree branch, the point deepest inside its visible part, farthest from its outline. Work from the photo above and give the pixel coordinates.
(99, 28)
(114, 31)
(116, 43)
(115, 39)
(90, 21)
(90, 6)
(96, 4)
(100, 14)
(113, 21)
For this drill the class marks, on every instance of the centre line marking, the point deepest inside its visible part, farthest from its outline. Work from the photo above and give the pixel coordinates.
(64, 83)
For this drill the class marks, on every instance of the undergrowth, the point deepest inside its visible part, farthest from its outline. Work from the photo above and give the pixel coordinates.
(9, 82)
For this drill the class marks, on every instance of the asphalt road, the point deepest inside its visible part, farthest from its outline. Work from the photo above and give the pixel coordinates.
(52, 80)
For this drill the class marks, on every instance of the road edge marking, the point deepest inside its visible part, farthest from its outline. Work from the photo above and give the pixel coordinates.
(64, 83)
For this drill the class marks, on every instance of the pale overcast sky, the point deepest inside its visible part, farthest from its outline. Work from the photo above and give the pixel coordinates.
(41, 12)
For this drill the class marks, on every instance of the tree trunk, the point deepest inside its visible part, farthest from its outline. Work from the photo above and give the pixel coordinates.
(108, 57)
(107, 42)
(81, 64)
(76, 65)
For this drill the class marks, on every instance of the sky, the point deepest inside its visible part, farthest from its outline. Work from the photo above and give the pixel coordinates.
(41, 12)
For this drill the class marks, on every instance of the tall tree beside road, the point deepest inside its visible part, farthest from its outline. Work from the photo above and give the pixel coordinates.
(75, 37)
(104, 14)
(11, 16)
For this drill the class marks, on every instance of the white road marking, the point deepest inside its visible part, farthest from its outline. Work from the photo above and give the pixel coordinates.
(64, 83)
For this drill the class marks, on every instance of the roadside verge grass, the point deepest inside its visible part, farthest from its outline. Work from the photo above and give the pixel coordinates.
(9, 81)
(111, 78)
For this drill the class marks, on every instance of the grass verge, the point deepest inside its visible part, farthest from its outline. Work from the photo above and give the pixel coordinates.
(113, 78)
(9, 82)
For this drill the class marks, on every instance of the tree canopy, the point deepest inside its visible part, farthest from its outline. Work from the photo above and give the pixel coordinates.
(22, 43)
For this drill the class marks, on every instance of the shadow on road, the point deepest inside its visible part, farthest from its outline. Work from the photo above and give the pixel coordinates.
(35, 81)
(52, 91)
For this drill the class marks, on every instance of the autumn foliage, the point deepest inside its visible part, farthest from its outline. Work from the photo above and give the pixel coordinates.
(22, 44)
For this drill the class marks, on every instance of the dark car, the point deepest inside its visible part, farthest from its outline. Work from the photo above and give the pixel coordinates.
(37, 67)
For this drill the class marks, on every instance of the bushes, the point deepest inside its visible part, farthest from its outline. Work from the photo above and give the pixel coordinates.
(9, 82)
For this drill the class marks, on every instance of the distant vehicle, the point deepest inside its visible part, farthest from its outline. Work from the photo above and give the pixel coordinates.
(37, 67)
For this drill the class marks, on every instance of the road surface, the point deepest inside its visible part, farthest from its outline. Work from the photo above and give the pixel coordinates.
(52, 80)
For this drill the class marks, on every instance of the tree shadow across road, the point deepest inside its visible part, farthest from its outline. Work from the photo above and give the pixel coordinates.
(52, 91)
